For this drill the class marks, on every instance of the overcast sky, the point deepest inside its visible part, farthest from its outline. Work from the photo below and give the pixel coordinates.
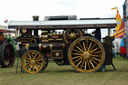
(25, 9)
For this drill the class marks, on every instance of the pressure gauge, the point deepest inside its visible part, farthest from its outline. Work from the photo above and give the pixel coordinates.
(24, 30)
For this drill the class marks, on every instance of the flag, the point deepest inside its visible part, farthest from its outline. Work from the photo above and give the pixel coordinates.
(114, 8)
(120, 28)
(5, 21)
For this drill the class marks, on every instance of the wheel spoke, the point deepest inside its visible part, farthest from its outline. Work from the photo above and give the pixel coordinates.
(38, 60)
(82, 63)
(93, 46)
(96, 55)
(27, 66)
(89, 46)
(96, 59)
(77, 54)
(88, 65)
(79, 63)
(27, 63)
(91, 63)
(36, 68)
(85, 65)
(79, 49)
(39, 63)
(94, 49)
(77, 60)
(35, 56)
(80, 45)
(76, 57)
(76, 50)
(30, 68)
(97, 52)
(29, 56)
(84, 46)
(32, 54)
(27, 60)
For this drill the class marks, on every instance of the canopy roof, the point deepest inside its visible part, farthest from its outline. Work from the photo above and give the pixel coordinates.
(64, 24)
(6, 31)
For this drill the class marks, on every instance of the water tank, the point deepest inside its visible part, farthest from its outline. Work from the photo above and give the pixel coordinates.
(71, 17)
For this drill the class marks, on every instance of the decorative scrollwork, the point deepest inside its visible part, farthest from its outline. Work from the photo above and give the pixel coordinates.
(71, 34)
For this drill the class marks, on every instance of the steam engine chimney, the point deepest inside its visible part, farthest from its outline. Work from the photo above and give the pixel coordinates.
(35, 18)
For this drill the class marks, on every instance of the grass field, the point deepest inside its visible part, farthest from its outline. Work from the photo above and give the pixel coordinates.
(66, 75)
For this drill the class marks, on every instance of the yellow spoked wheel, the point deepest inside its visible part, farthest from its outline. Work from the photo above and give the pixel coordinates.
(86, 54)
(32, 61)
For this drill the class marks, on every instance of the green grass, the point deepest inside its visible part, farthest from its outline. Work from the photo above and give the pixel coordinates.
(66, 75)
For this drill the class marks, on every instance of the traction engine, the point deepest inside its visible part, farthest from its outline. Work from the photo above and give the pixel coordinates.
(65, 44)
(7, 50)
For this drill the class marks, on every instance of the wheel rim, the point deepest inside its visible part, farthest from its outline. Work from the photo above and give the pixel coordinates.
(32, 61)
(86, 54)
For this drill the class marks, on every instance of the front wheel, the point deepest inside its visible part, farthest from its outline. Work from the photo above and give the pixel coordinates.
(33, 61)
(86, 54)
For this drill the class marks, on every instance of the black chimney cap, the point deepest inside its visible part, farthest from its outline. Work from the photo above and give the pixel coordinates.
(35, 18)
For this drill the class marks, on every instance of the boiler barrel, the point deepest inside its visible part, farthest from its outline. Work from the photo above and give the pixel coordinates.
(45, 46)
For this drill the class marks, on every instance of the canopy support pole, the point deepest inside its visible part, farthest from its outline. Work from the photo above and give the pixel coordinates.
(126, 26)
(109, 32)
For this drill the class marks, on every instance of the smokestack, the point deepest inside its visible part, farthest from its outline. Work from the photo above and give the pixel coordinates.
(35, 18)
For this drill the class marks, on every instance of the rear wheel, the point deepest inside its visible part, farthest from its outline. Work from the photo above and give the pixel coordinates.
(7, 54)
(86, 54)
(33, 61)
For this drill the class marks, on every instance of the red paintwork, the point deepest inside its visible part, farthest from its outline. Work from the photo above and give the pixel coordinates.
(122, 50)
(6, 31)
(2, 38)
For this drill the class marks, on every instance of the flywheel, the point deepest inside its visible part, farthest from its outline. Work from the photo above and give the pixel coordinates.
(33, 61)
(86, 54)
(71, 34)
